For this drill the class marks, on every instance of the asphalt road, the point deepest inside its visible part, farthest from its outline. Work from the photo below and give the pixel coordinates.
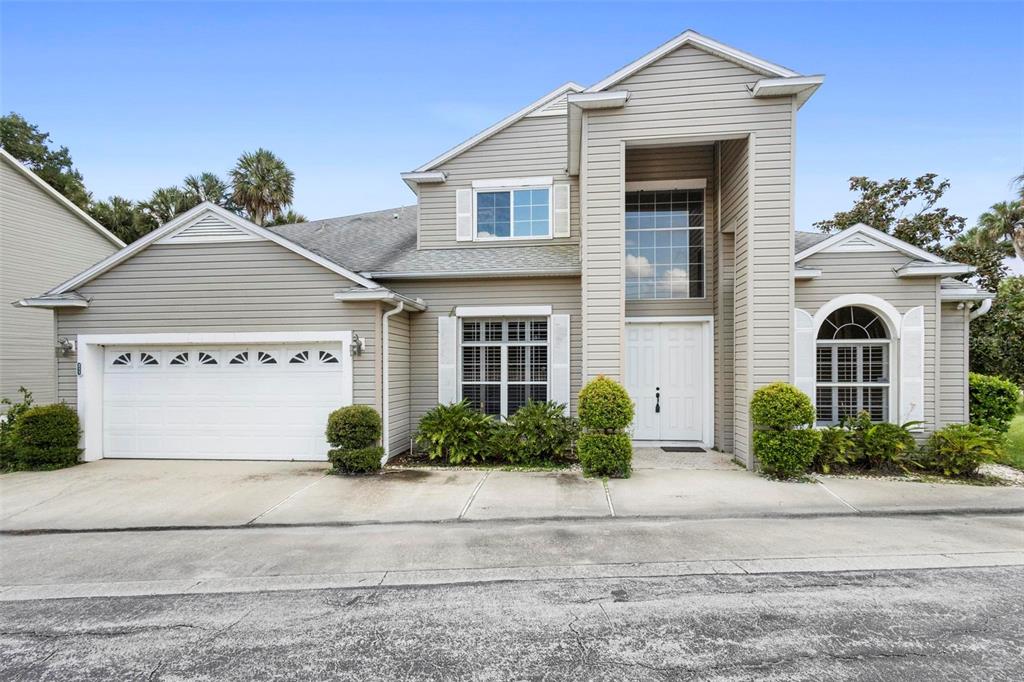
(937, 624)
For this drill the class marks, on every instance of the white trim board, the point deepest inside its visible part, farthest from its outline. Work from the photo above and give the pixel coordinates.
(654, 185)
(503, 311)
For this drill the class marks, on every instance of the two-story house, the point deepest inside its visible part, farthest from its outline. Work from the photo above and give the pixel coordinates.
(640, 228)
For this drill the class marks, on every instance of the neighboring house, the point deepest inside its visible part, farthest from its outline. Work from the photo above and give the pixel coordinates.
(44, 239)
(640, 228)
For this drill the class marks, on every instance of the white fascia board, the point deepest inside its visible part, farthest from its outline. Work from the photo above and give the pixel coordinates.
(186, 217)
(690, 37)
(475, 274)
(806, 273)
(212, 338)
(599, 100)
(503, 311)
(61, 199)
(962, 294)
(801, 86)
(938, 270)
(379, 294)
(499, 126)
(514, 182)
(425, 178)
(655, 185)
(871, 233)
(43, 302)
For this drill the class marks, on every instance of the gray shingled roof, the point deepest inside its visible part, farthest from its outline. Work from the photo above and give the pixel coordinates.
(805, 240)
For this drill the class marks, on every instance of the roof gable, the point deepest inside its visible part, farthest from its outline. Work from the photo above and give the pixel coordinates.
(60, 199)
(206, 222)
(862, 238)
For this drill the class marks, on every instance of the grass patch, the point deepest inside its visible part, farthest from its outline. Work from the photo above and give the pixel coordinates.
(1015, 441)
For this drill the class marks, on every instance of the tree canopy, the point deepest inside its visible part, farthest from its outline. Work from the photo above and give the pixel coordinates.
(262, 185)
(996, 346)
(25, 142)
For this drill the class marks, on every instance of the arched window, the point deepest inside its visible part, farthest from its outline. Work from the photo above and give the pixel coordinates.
(853, 351)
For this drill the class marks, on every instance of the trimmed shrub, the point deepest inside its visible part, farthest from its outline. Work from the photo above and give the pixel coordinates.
(993, 401)
(353, 427)
(836, 450)
(781, 406)
(606, 454)
(605, 406)
(538, 432)
(786, 454)
(958, 449)
(455, 434)
(358, 460)
(8, 459)
(881, 445)
(46, 437)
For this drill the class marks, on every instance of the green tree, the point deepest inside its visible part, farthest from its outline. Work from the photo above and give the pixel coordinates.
(287, 218)
(1004, 224)
(996, 346)
(167, 202)
(25, 142)
(262, 185)
(123, 217)
(904, 208)
(207, 187)
(988, 257)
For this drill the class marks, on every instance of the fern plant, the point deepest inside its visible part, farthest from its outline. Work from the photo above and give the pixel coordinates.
(455, 434)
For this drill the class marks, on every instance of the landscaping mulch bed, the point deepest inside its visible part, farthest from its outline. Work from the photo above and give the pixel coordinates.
(411, 460)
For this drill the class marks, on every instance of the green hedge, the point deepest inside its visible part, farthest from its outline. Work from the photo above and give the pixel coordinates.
(354, 427)
(993, 401)
(605, 406)
(786, 454)
(357, 461)
(46, 437)
(606, 454)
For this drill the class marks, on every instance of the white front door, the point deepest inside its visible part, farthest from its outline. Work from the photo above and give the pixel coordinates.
(667, 372)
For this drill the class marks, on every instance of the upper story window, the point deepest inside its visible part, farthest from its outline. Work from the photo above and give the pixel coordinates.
(520, 213)
(665, 244)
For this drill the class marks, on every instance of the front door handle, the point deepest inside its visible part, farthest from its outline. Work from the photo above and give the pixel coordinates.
(657, 399)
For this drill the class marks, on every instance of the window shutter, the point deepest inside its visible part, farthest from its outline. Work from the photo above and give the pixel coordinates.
(464, 215)
(560, 202)
(447, 360)
(911, 367)
(804, 353)
(558, 353)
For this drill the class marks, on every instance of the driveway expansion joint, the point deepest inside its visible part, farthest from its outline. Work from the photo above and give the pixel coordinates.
(472, 496)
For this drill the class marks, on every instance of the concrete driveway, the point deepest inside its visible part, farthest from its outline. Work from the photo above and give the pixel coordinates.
(118, 494)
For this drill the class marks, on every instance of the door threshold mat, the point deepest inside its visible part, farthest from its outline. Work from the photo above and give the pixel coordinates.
(682, 448)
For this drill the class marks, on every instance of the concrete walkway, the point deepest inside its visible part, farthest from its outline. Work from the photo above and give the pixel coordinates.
(121, 494)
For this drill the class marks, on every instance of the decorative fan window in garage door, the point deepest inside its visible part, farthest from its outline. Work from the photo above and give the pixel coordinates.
(853, 351)
(504, 364)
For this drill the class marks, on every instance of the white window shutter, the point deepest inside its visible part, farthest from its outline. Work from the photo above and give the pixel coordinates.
(804, 352)
(464, 215)
(447, 360)
(911, 366)
(558, 360)
(560, 203)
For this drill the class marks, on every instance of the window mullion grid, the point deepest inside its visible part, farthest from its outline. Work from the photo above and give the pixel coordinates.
(504, 373)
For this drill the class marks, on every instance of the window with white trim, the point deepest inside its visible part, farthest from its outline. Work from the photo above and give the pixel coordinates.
(520, 213)
(504, 364)
(664, 244)
(853, 361)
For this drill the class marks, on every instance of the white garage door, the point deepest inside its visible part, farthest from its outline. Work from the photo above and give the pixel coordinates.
(220, 402)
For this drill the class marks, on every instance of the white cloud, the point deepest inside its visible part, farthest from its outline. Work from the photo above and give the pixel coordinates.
(638, 267)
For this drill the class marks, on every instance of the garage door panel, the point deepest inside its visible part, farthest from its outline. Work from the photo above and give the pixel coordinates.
(183, 402)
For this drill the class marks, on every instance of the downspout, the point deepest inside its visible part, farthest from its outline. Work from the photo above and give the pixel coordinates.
(385, 384)
(985, 306)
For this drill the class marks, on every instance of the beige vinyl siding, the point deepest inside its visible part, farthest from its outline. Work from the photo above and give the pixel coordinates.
(528, 148)
(679, 163)
(562, 293)
(724, 340)
(399, 382)
(689, 93)
(226, 287)
(954, 344)
(42, 243)
(872, 273)
(735, 386)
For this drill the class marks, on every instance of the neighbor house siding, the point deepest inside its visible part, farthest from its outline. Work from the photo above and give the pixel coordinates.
(872, 273)
(42, 243)
(223, 287)
(442, 296)
(691, 94)
(954, 344)
(529, 148)
(399, 386)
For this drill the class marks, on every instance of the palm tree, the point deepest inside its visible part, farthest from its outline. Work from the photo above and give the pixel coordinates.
(167, 202)
(289, 217)
(1004, 221)
(123, 217)
(262, 185)
(207, 187)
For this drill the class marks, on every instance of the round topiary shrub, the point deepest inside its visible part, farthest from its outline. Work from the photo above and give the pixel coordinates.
(786, 454)
(605, 406)
(781, 406)
(606, 454)
(46, 437)
(993, 401)
(357, 461)
(353, 427)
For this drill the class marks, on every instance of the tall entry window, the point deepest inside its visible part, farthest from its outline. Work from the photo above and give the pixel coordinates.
(504, 364)
(853, 360)
(665, 244)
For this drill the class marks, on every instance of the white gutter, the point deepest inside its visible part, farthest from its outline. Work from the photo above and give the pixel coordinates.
(385, 389)
(985, 306)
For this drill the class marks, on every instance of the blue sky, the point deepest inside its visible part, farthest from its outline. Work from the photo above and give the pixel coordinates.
(351, 94)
